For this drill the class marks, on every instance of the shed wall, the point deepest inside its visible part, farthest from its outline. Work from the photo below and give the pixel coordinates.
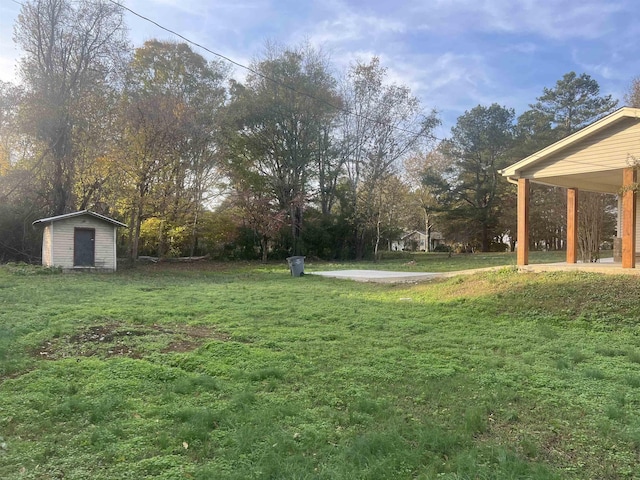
(46, 246)
(63, 237)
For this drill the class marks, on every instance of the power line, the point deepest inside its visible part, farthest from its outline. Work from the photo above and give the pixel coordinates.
(278, 82)
(266, 77)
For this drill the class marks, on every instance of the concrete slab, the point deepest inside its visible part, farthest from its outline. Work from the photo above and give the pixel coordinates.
(379, 276)
(607, 267)
(604, 266)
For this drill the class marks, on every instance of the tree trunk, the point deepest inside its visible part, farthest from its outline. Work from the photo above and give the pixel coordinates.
(485, 238)
(136, 228)
(427, 231)
(375, 249)
(264, 245)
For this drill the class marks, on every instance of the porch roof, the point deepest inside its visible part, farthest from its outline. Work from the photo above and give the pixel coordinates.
(592, 158)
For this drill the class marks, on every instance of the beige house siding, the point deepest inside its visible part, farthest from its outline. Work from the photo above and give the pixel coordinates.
(104, 244)
(608, 149)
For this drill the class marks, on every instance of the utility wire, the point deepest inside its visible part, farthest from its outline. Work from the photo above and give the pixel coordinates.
(267, 77)
(277, 82)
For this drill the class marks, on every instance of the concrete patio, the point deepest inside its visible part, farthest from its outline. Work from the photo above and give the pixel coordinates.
(385, 276)
(605, 265)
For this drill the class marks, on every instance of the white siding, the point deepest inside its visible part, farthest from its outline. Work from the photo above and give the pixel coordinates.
(610, 149)
(64, 236)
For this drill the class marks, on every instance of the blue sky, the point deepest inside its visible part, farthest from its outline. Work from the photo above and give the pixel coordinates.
(454, 54)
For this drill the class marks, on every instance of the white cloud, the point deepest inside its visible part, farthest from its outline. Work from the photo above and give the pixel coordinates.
(453, 54)
(524, 48)
(560, 19)
(201, 8)
(451, 83)
(341, 23)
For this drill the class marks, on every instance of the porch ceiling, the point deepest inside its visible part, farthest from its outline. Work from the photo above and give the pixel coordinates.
(608, 181)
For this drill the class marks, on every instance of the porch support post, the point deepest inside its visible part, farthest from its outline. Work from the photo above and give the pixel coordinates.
(523, 222)
(572, 225)
(628, 218)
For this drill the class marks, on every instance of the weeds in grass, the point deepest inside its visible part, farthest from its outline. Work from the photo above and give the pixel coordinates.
(577, 356)
(475, 420)
(614, 412)
(266, 373)
(633, 356)
(610, 352)
(29, 269)
(633, 381)
(562, 364)
(490, 376)
(594, 374)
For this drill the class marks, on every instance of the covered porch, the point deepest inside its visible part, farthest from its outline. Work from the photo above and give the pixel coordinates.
(605, 265)
(602, 157)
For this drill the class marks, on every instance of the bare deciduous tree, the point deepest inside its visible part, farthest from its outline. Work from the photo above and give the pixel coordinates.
(381, 124)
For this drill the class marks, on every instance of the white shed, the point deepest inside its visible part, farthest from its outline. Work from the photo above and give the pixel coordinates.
(82, 240)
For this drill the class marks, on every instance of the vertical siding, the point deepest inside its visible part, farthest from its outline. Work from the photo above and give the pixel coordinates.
(115, 249)
(62, 243)
(104, 241)
(46, 246)
(105, 257)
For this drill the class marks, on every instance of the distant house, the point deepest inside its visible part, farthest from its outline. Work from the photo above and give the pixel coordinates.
(417, 241)
(80, 241)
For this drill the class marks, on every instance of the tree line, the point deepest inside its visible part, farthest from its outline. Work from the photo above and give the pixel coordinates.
(295, 158)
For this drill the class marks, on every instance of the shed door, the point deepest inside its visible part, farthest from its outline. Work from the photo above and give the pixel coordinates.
(84, 247)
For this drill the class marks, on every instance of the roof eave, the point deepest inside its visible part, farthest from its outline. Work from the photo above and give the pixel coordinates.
(513, 171)
(78, 214)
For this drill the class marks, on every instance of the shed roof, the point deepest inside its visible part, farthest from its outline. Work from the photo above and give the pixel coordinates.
(591, 158)
(78, 214)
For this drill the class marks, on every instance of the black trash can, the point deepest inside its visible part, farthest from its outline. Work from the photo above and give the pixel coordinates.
(296, 265)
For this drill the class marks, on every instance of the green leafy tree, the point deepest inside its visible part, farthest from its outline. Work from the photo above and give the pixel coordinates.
(169, 140)
(425, 204)
(261, 214)
(277, 130)
(534, 131)
(478, 148)
(572, 104)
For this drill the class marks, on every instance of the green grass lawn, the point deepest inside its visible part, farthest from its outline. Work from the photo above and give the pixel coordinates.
(224, 372)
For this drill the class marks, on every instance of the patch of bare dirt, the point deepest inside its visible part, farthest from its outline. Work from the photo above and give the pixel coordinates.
(118, 340)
